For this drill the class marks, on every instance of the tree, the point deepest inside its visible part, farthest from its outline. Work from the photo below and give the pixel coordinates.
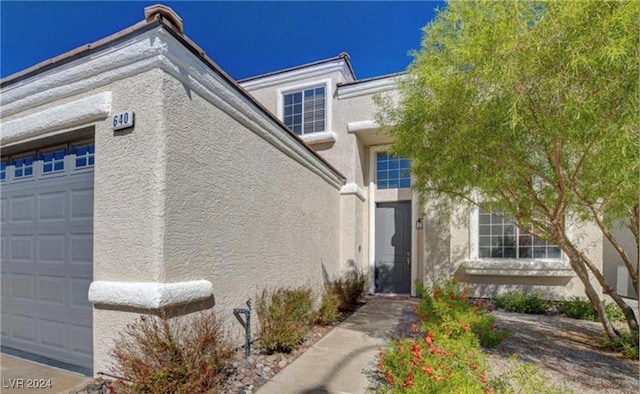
(531, 109)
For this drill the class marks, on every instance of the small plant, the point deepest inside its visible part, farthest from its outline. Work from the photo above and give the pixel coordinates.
(627, 345)
(578, 308)
(421, 291)
(350, 289)
(162, 355)
(519, 302)
(284, 315)
(526, 379)
(327, 312)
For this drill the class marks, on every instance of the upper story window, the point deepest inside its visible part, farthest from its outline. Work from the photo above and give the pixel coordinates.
(53, 161)
(392, 172)
(304, 110)
(499, 238)
(23, 166)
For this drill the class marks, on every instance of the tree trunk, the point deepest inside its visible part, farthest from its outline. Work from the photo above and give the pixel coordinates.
(580, 269)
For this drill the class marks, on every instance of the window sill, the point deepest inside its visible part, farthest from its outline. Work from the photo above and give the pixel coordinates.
(516, 267)
(319, 137)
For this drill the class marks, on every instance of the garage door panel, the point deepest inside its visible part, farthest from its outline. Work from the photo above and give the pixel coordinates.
(81, 248)
(23, 327)
(53, 334)
(51, 289)
(21, 248)
(51, 248)
(22, 208)
(47, 264)
(4, 252)
(81, 203)
(79, 288)
(4, 210)
(52, 206)
(22, 287)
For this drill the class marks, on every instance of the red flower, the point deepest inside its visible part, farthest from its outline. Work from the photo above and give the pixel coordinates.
(429, 339)
(465, 327)
(414, 328)
(389, 378)
(427, 370)
(436, 293)
(408, 382)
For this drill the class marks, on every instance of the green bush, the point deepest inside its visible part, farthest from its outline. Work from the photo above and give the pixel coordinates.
(579, 308)
(520, 302)
(349, 289)
(421, 291)
(284, 316)
(162, 355)
(327, 312)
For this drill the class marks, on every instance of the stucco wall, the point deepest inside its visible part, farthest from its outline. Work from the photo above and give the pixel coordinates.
(615, 271)
(239, 212)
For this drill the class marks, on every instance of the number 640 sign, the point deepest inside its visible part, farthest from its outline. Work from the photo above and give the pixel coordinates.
(122, 120)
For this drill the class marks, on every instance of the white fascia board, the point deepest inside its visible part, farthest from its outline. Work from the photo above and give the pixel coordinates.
(75, 113)
(353, 188)
(158, 49)
(319, 70)
(368, 88)
(149, 295)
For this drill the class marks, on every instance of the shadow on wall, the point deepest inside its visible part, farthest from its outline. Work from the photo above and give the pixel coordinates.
(171, 312)
(549, 287)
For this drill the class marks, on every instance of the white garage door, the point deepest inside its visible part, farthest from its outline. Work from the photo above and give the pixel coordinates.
(47, 252)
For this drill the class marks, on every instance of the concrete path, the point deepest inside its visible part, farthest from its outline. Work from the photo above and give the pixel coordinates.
(21, 376)
(337, 362)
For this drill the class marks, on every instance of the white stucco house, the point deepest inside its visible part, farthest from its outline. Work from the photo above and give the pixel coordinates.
(136, 175)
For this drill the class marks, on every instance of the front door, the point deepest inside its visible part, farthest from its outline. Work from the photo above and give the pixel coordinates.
(393, 248)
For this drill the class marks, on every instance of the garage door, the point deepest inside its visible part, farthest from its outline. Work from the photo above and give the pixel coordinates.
(47, 252)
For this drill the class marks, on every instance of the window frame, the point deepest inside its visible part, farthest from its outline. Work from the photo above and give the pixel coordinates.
(328, 94)
(12, 163)
(474, 238)
(53, 149)
(399, 179)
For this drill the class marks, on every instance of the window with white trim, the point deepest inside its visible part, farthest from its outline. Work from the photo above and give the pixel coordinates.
(85, 155)
(3, 169)
(23, 166)
(499, 238)
(392, 172)
(53, 161)
(304, 110)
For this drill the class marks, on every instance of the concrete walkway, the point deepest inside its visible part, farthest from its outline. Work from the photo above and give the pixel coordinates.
(337, 362)
(21, 376)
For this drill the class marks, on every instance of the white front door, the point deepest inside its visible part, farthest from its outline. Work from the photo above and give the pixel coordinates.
(47, 252)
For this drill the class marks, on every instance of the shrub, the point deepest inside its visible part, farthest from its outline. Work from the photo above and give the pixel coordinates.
(578, 308)
(284, 315)
(161, 355)
(522, 303)
(327, 312)
(421, 291)
(349, 289)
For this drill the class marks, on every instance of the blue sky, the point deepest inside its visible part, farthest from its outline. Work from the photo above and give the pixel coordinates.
(244, 38)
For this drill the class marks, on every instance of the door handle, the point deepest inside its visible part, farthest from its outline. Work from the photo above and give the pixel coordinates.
(408, 259)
